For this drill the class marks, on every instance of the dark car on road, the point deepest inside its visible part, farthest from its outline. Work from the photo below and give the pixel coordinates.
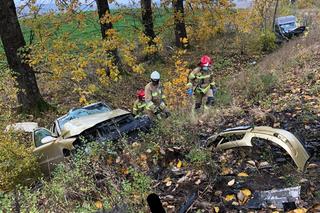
(286, 27)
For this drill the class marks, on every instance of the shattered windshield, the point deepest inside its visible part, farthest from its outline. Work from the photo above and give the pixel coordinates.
(288, 27)
(82, 112)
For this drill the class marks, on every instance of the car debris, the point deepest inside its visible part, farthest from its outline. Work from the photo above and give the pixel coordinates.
(286, 198)
(286, 27)
(22, 126)
(243, 135)
(93, 123)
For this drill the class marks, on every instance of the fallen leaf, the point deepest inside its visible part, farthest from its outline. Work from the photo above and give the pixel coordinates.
(246, 192)
(136, 145)
(234, 203)
(125, 171)
(230, 197)
(299, 210)
(251, 162)
(99, 204)
(216, 209)
(240, 196)
(169, 183)
(179, 164)
(143, 157)
(264, 164)
(118, 159)
(198, 182)
(243, 174)
(226, 171)
(243, 196)
(231, 182)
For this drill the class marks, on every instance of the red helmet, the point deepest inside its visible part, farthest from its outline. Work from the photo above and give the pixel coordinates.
(140, 94)
(205, 61)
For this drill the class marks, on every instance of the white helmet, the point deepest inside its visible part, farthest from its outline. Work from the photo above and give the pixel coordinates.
(155, 75)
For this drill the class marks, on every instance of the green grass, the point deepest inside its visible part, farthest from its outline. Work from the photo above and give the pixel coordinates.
(90, 28)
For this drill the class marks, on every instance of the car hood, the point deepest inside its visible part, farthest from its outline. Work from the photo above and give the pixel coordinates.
(76, 126)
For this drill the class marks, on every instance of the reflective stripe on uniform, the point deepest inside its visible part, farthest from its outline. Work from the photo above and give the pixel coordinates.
(192, 76)
(203, 76)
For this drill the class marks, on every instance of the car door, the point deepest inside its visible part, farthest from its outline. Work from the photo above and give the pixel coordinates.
(49, 153)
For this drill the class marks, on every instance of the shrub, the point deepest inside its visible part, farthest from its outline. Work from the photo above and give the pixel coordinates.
(267, 41)
(18, 165)
(258, 86)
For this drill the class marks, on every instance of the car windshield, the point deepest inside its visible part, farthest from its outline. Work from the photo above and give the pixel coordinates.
(288, 27)
(81, 112)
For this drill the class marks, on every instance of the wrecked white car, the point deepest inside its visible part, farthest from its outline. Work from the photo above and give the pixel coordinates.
(242, 136)
(94, 123)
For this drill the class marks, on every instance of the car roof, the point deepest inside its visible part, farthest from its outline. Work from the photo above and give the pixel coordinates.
(285, 20)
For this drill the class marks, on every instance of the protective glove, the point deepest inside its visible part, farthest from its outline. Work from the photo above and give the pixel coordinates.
(190, 92)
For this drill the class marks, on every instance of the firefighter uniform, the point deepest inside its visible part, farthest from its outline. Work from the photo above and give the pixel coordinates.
(202, 85)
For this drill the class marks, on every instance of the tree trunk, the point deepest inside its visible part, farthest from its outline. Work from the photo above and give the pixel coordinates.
(103, 8)
(180, 28)
(274, 15)
(12, 39)
(147, 20)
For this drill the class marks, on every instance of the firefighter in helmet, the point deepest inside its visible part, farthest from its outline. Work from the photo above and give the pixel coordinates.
(155, 99)
(201, 84)
(139, 105)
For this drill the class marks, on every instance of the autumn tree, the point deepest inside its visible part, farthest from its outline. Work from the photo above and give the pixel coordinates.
(13, 41)
(105, 26)
(180, 27)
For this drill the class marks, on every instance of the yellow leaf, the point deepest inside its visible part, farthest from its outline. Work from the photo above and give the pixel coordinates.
(216, 209)
(99, 204)
(229, 197)
(243, 174)
(179, 164)
(246, 192)
(125, 171)
(299, 210)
